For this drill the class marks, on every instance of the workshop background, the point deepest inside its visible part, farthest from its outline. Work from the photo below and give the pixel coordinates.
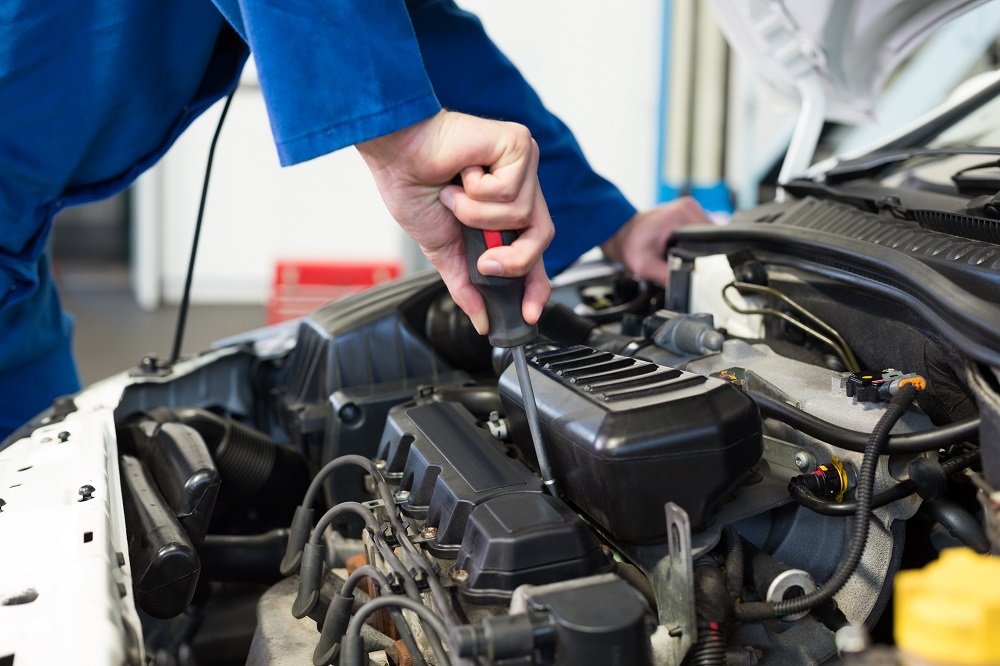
(649, 87)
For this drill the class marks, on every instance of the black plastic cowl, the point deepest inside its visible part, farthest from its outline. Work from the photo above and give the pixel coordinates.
(164, 563)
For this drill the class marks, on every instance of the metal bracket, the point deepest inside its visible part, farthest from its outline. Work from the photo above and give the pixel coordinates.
(673, 584)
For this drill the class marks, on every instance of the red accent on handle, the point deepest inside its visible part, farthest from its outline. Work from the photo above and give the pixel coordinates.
(493, 239)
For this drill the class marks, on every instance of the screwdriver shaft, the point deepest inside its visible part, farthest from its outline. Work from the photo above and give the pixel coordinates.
(534, 424)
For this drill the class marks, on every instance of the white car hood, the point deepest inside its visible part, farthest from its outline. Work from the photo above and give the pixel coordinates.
(852, 46)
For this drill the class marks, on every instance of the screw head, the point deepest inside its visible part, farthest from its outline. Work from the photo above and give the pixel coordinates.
(86, 492)
(379, 464)
(802, 461)
(429, 533)
(460, 576)
(402, 495)
(63, 436)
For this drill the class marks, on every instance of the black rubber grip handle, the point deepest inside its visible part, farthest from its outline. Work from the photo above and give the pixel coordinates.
(503, 296)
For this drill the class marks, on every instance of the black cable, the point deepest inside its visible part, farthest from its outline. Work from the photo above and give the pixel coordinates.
(317, 482)
(186, 298)
(764, 610)
(904, 488)
(427, 618)
(917, 442)
(372, 524)
(402, 628)
(399, 529)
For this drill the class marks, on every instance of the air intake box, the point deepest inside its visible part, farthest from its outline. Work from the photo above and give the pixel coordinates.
(626, 436)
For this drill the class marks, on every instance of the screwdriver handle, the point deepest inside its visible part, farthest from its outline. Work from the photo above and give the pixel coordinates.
(503, 296)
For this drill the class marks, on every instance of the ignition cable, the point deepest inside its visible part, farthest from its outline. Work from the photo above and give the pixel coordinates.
(352, 652)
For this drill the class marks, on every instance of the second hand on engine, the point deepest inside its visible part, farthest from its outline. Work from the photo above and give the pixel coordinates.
(503, 298)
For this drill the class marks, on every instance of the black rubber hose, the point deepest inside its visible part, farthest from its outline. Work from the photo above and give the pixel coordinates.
(918, 442)
(734, 562)
(560, 324)
(243, 559)
(712, 604)
(904, 488)
(763, 610)
(959, 522)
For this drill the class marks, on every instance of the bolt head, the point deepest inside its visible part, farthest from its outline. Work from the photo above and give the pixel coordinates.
(460, 576)
(402, 495)
(86, 492)
(379, 464)
(802, 461)
(429, 533)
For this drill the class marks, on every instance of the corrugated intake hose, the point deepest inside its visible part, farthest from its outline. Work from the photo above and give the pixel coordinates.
(250, 463)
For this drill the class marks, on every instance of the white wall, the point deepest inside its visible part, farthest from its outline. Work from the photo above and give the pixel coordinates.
(595, 63)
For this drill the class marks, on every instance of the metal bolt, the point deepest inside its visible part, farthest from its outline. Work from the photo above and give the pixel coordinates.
(429, 533)
(675, 632)
(149, 363)
(379, 464)
(63, 436)
(802, 461)
(86, 492)
(402, 495)
(2, 504)
(120, 558)
(460, 576)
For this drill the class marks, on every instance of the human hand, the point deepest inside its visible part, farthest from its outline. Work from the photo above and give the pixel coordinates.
(415, 169)
(640, 243)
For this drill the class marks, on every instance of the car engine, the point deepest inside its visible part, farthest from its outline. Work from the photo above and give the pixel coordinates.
(359, 486)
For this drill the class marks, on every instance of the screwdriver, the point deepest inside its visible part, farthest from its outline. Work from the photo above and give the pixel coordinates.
(503, 297)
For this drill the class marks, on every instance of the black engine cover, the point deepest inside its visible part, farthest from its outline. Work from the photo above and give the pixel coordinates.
(626, 436)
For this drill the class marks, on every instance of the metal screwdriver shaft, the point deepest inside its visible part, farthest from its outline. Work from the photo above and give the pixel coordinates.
(503, 298)
(534, 424)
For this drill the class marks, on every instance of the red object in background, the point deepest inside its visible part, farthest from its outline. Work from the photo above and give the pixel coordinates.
(302, 286)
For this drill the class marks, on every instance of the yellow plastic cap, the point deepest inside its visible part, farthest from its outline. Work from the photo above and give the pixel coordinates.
(949, 611)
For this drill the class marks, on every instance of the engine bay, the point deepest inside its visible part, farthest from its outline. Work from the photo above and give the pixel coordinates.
(360, 486)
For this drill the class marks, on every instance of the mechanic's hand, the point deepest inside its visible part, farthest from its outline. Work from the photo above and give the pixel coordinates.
(415, 169)
(640, 243)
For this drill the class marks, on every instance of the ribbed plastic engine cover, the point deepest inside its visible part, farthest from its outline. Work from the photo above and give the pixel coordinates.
(626, 436)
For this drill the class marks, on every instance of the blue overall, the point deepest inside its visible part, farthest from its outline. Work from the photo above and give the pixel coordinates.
(93, 92)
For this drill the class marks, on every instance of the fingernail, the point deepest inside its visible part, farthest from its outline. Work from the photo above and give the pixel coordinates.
(447, 197)
(482, 322)
(490, 267)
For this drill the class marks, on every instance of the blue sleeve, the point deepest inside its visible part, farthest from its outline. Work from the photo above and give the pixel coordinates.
(333, 73)
(471, 75)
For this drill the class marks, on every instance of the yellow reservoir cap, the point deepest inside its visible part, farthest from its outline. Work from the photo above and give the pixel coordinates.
(949, 611)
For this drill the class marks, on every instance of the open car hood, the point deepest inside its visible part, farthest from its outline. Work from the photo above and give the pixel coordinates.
(852, 46)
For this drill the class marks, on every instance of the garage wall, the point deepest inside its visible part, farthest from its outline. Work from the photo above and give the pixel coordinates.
(595, 63)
